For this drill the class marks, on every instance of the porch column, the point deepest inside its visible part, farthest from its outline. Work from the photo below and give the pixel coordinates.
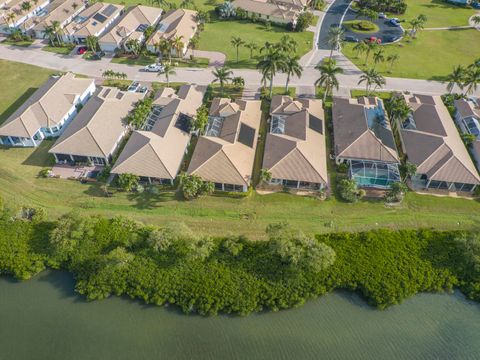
(298, 184)
(449, 186)
(71, 158)
(56, 159)
(428, 184)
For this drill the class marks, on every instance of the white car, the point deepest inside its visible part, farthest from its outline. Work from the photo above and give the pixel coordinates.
(154, 68)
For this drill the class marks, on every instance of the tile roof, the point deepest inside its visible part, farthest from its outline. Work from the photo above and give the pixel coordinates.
(179, 22)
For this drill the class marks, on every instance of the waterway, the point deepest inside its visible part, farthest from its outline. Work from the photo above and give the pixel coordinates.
(44, 319)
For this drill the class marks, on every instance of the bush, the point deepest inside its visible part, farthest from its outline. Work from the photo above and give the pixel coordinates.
(304, 20)
(348, 190)
(192, 186)
(364, 25)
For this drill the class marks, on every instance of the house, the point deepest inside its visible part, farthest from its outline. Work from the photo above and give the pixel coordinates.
(95, 134)
(62, 11)
(467, 116)
(155, 153)
(275, 11)
(226, 153)
(13, 16)
(93, 21)
(295, 148)
(47, 112)
(130, 27)
(363, 140)
(431, 141)
(180, 23)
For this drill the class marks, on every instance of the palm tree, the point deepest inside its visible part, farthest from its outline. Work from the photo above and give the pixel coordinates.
(371, 46)
(398, 109)
(472, 80)
(57, 31)
(392, 59)
(252, 47)
(133, 45)
(287, 44)
(273, 62)
(236, 42)
(168, 70)
(163, 47)
(222, 75)
(92, 43)
(328, 76)
(378, 57)
(292, 67)
(456, 77)
(178, 45)
(10, 17)
(371, 77)
(360, 48)
(26, 6)
(193, 44)
(335, 39)
(476, 20)
(50, 33)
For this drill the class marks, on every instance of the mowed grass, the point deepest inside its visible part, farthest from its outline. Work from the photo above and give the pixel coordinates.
(431, 56)
(217, 36)
(199, 4)
(18, 81)
(439, 13)
(215, 215)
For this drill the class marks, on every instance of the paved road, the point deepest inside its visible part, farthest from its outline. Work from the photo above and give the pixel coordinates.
(387, 32)
(332, 18)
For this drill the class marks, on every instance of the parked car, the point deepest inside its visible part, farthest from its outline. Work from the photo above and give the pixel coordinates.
(82, 50)
(153, 68)
(374, 39)
(142, 89)
(134, 86)
(390, 39)
(394, 22)
(98, 55)
(476, 5)
(351, 38)
(382, 15)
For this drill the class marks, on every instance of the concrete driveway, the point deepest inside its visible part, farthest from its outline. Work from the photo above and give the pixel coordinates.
(387, 32)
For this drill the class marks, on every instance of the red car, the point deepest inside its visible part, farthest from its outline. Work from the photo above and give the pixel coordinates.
(82, 50)
(374, 39)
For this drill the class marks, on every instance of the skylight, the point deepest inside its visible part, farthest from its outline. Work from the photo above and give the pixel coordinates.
(278, 125)
(214, 126)
(152, 117)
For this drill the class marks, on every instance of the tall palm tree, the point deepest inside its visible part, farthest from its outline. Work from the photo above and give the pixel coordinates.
(26, 6)
(371, 78)
(472, 80)
(222, 75)
(476, 20)
(273, 62)
(335, 39)
(287, 44)
(456, 77)
(328, 76)
(371, 46)
(236, 42)
(10, 17)
(360, 48)
(50, 34)
(378, 57)
(392, 59)
(252, 46)
(92, 43)
(168, 70)
(292, 67)
(178, 45)
(193, 44)
(57, 31)
(162, 47)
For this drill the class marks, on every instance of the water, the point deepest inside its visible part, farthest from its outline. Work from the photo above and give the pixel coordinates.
(44, 319)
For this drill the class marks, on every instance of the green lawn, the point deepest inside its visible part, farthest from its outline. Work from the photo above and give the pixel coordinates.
(199, 4)
(354, 25)
(439, 13)
(218, 34)
(18, 81)
(144, 60)
(431, 56)
(22, 43)
(62, 50)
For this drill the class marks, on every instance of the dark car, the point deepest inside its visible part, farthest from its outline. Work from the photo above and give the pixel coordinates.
(82, 50)
(351, 38)
(98, 55)
(390, 39)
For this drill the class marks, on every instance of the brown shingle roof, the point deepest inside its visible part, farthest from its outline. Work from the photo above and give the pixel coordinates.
(354, 138)
(179, 22)
(300, 153)
(435, 145)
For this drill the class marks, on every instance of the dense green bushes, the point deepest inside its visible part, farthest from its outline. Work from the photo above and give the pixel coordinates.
(174, 265)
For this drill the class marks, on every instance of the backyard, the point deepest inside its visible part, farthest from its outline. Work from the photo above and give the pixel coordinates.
(430, 56)
(20, 185)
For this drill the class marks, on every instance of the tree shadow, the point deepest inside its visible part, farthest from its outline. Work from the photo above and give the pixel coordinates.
(147, 200)
(40, 156)
(62, 281)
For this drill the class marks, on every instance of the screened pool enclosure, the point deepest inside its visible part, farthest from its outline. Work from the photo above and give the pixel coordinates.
(373, 173)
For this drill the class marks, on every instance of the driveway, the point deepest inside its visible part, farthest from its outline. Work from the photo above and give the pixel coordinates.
(387, 32)
(332, 18)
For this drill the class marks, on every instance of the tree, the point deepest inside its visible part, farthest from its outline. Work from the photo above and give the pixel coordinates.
(236, 42)
(392, 59)
(57, 31)
(287, 45)
(297, 250)
(335, 39)
(92, 43)
(348, 190)
(222, 75)
(10, 17)
(193, 44)
(203, 17)
(409, 170)
(476, 20)
(292, 67)
(226, 10)
(233, 245)
(252, 46)
(265, 175)
(398, 109)
(328, 76)
(396, 192)
(201, 119)
(127, 182)
(304, 20)
(178, 45)
(50, 34)
(168, 70)
(162, 240)
(371, 78)
(192, 186)
(472, 80)
(238, 82)
(133, 45)
(378, 57)
(273, 62)
(456, 77)
(371, 46)
(360, 48)
(26, 6)
(417, 24)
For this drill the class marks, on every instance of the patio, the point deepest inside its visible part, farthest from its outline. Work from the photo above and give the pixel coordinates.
(75, 172)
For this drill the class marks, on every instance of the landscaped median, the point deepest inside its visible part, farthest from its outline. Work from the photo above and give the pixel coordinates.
(144, 60)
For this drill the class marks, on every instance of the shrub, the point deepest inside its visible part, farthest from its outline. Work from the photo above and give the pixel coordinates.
(348, 190)
(226, 10)
(127, 182)
(396, 192)
(193, 186)
(44, 173)
(364, 25)
(304, 20)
